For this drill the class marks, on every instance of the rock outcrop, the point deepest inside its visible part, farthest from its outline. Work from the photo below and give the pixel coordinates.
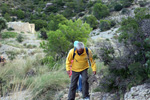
(141, 92)
(22, 27)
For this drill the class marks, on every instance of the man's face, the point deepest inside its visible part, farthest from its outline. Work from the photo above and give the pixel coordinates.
(2, 57)
(80, 51)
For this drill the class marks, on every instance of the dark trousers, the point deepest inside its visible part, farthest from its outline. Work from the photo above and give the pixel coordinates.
(73, 86)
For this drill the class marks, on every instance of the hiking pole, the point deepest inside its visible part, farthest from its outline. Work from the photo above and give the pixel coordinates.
(91, 80)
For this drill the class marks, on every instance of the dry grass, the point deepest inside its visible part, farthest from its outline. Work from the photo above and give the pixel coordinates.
(43, 84)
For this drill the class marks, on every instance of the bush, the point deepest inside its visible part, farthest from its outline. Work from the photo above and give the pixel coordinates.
(64, 37)
(55, 21)
(8, 35)
(125, 11)
(68, 13)
(79, 6)
(100, 10)
(43, 33)
(10, 29)
(142, 3)
(112, 23)
(90, 4)
(31, 46)
(118, 7)
(105, 25)
(20, 14)
(139, 12)
(4, 8)
(91, 20)
(40, 24)
(20, 38)
(3, 24)
(126, 3)
(81, 14)
(128, 66)
(52, 8)
(7, 17)
(12, 54)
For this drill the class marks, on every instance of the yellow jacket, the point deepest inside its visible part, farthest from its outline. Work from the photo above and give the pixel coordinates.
(80, 62)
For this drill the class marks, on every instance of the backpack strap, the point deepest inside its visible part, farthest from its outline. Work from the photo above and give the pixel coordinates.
(74, 53)
(87, 52)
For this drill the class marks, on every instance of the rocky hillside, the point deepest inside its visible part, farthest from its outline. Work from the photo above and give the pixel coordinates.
(46, 78)
(30, 46)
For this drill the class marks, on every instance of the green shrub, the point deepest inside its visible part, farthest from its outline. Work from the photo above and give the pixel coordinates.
(30, 46)
(55, 21)
(25, 44)
(112, 23)
(7, 17)
(68, 13)
(4, 8)
(105, 25)
(111, 5)
(10, 29)
(8, 35)
(100, 10)
(91, 20)
(40, 24)
(139, 12)
(142, 3)
(118, 7)
(79, 6)
(34, 46)
(81, 14)
(126, 3)
(43, 33)
(20, 38)
(3, 24)
(20, 14)
(12, 54)
(133, 67)
(52, 8)
(13, 12)
(64, 36)
(90, 4)
(125, 11)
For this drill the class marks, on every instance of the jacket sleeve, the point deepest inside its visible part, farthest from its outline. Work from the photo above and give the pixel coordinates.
(93, 64)
(68, 59)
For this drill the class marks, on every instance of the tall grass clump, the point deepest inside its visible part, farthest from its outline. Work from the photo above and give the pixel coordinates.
(41, 82)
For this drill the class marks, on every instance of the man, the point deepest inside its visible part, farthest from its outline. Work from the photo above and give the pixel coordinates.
(2, 60)
(79, 66)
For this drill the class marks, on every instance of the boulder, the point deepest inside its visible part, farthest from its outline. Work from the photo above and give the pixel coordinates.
(141, 92)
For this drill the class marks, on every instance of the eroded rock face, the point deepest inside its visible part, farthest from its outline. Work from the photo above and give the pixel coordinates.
(141, 92)
(22, 27)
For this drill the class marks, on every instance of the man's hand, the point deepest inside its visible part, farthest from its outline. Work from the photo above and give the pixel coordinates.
(94, 72)
(68, 72)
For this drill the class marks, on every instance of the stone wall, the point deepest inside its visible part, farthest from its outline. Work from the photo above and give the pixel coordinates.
(22, 27)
